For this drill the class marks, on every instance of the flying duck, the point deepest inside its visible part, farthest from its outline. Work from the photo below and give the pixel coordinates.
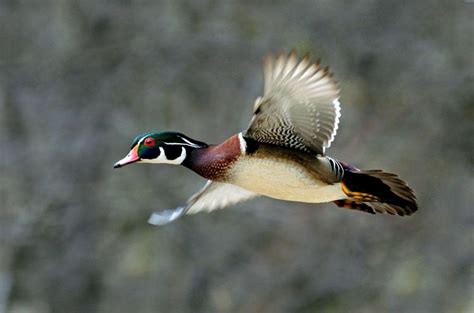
(282, 154)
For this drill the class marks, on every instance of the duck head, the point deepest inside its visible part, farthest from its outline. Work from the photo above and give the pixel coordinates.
(160, 147)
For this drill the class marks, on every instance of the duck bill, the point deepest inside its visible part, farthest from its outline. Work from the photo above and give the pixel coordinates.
(130, 158)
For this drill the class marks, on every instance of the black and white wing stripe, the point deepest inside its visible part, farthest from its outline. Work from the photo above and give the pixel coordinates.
(300, 107)
(212, 196)
(336, 167)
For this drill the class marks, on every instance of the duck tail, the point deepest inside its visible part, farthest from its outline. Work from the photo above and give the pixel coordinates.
(375, 191)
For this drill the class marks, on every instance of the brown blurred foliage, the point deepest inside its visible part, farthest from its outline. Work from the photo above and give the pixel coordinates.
(79, 79)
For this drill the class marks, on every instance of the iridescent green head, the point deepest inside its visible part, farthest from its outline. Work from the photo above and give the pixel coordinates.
(160, 147)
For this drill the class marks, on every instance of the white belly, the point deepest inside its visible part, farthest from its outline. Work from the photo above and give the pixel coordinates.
(279, 180)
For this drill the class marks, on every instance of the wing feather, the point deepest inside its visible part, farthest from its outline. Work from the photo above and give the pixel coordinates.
(212, 196)
(299, 108)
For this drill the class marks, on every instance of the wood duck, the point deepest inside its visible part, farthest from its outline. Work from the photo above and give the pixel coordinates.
(282, 153)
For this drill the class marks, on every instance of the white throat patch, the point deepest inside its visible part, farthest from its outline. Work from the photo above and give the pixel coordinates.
(161, 159)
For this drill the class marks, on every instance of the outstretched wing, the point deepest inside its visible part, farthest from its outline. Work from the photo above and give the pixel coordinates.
(212, 196)
(299, 108)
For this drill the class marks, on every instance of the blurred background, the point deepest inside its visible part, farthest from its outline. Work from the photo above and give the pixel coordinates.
(78, 81)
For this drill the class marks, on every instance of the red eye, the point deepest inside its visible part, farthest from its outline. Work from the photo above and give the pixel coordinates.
(149, 142)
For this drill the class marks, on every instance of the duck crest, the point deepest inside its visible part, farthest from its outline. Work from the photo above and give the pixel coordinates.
(214, 161)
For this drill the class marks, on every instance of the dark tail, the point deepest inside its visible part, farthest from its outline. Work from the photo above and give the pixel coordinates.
(375, 191)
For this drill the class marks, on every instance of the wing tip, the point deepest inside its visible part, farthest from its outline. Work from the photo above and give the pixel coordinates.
(164, 217)
(281, 64)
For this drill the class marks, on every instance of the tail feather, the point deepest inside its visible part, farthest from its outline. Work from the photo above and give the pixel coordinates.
(354, 205)
(383, 192)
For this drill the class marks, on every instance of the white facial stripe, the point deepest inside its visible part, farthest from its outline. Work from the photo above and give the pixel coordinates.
(180, 144)
(161, 159)
(187, 143)
(140, 141)
(243, 144)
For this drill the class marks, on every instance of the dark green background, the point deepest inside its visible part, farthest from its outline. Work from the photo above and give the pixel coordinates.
(79, 79)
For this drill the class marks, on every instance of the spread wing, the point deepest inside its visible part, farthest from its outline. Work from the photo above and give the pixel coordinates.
(299, 108)
(212, 196)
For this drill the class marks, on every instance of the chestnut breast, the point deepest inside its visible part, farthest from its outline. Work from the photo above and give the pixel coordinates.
(214, 161)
